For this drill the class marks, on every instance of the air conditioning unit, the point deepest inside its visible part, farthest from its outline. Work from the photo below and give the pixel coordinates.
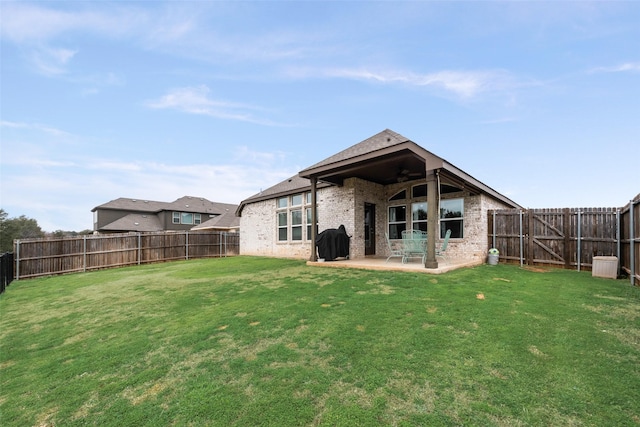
(605, 266)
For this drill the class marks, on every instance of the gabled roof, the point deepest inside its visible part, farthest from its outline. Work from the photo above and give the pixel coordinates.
(199, 205)
(388, 157)
(385, 139)
(183, 204)
(384, 158)
(295, 184)
(225, 221)
(139, 205)
(135, 222)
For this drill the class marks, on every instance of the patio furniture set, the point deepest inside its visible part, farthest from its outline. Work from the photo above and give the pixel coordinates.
(414, 245)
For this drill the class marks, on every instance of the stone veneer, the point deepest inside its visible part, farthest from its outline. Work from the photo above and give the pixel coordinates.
(345, 206)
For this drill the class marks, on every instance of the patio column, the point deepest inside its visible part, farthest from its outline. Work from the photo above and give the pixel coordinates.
(314, 219)
(432, 219)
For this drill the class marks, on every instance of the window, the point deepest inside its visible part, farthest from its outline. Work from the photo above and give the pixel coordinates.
(419, 191)
(294, 217)
(282, 226)
(296, 224)
(451, 217)
(186, 218)
(400, 195)
(308, 211)
(397, 221)
(419, 216)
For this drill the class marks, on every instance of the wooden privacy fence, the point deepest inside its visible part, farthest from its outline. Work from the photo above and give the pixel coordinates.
(6, 270)
(569, 238)
(42, 257)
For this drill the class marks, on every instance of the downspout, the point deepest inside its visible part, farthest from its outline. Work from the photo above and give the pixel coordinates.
(314, 219)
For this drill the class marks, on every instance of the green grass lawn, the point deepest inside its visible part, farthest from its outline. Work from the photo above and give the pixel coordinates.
(257, 341)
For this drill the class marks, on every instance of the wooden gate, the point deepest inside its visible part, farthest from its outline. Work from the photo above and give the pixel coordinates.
(567, 238)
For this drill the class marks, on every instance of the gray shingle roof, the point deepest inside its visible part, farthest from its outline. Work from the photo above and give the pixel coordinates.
(384, 139)
(135, 222)
(183, 204)
(127, 204)
(227, 220)
(295, 184)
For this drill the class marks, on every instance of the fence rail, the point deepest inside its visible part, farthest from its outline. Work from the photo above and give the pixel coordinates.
(569, 238)
(43, 257)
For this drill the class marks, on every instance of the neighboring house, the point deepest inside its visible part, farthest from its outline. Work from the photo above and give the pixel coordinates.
(378, 187)
(186, 213)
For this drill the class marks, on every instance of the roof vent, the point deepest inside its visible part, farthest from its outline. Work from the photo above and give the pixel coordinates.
(133, 200)
(136, 223)
(186, 206)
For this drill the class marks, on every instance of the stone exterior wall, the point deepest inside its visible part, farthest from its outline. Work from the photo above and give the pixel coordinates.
(345, 206)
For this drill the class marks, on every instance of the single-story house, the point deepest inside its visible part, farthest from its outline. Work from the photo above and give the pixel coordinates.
(186, 213)
(376, 189)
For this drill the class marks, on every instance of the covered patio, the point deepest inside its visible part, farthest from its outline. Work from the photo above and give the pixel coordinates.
(387, 160)
(381, 263)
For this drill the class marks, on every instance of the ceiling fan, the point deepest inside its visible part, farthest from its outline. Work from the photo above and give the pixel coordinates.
(406, 175)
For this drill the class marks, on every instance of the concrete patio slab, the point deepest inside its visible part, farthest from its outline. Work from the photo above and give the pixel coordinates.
(377, 263)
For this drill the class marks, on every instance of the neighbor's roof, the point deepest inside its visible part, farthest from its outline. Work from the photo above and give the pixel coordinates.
(225, 221)
(183, 204)
(135, 222)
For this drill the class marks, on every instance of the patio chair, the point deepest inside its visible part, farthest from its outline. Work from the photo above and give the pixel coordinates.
(414, 245)
(441, 252)
(393, 251)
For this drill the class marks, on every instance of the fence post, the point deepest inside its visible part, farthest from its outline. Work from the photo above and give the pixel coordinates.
(521, 241)
(566, 230)
(530, 236)
(493, 244)
(84, 253)
(618, 249)
(186, 242)
(139, 248)
(632, 244)
(579, 236)
(17, 273)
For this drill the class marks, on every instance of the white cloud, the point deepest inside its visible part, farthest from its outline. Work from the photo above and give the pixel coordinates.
(196, 100)
(463, 84)
(633, 67)
(33, 24)
(51, 61)
(34, 126)
(60, 194)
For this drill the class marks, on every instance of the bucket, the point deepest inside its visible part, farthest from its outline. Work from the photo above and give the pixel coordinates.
(493, 259)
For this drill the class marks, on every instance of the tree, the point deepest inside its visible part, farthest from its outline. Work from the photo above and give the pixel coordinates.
(16, 228)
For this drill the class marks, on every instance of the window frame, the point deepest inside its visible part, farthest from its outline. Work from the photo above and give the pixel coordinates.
(458, 231)
(397, 234)
(297, 210)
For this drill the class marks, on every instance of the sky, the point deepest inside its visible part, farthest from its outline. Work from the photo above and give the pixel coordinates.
(158, 100)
